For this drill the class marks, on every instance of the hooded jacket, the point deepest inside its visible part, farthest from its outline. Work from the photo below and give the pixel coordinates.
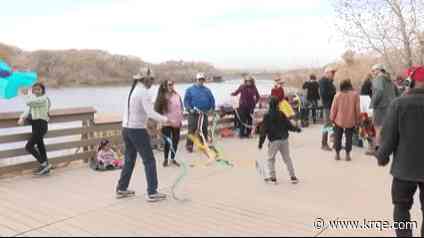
(383, 91)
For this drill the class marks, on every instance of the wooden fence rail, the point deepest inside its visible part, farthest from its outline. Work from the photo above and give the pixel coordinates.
(81, 139)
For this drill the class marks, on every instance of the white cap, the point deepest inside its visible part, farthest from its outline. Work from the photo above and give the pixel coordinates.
(144, 72)
(200, 76)
(379, 67)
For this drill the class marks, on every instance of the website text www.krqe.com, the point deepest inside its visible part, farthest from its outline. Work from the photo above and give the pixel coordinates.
(362, 224)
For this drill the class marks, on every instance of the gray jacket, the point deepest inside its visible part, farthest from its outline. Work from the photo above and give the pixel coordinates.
(403, 136)
(383, 91)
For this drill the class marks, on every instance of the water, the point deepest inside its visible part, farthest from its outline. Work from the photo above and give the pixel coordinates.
(105, 99)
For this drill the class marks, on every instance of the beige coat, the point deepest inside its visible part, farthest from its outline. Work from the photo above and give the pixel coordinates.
(345, 110)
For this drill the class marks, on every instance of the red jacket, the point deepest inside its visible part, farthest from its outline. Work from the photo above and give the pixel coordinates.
(278, 92)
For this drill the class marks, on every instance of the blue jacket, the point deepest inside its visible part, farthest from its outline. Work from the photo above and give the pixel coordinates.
(200, 97)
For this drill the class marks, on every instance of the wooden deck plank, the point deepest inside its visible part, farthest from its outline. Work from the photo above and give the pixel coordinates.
(224, 201)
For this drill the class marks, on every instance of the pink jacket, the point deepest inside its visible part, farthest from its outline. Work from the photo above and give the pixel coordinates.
(106, 156)
(175, 110)
(345, 110)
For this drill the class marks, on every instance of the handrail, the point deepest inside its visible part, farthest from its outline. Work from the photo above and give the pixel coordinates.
(81, 139)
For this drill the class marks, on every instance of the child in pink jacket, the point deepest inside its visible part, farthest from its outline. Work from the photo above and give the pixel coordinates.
(106, 157)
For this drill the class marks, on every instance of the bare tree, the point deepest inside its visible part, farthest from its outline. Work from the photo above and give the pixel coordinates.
(390, 28)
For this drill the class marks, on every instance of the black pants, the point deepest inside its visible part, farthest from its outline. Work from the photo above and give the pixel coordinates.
(39, 130)
(236, 119)
(403, 198)
(313, 105)
(193, 120)
(245, 121)
(173, 134)
(339, 135)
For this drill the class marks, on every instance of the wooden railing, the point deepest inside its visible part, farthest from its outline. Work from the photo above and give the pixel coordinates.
(81, 139)
(82, 135)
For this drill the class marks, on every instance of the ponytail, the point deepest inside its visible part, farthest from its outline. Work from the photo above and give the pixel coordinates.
(135, 82)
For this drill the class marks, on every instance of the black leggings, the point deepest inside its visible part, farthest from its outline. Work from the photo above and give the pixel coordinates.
(39, 130)
(174, 135)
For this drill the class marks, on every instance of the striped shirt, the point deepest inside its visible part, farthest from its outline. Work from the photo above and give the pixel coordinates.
(38, 107)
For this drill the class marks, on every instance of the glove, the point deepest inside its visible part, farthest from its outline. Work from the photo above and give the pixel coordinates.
(383, 162)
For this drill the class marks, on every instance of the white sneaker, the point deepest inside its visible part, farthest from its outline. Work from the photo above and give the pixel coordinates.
(45, 170)
(124, 194)
(155, 197)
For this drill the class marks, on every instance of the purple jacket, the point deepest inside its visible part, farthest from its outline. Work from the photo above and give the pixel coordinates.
(249, 96)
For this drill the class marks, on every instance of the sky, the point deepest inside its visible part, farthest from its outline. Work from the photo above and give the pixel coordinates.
(233, 34)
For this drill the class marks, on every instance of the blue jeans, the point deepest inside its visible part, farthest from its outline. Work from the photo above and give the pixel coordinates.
(138, 141)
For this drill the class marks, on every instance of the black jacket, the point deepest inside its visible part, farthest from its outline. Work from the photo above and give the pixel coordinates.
(312, 90)
(276, 130)
(366, 88)
(327, 91)
(403, 135)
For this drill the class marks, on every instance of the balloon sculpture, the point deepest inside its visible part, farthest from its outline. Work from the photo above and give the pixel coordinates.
(11, 81)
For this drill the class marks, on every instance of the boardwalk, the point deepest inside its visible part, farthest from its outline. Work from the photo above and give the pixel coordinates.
(76, 201)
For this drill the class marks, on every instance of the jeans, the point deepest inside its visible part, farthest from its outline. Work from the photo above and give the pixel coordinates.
(313, 105)
(173, 134)
(193, 120)
(138, 141)
(339, 135)
(403, 198)
(327, 123)
(39, 130)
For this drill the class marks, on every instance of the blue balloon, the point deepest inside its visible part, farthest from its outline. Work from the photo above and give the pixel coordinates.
(10, 85)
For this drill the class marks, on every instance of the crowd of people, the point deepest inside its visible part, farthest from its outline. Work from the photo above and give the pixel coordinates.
(390, 121)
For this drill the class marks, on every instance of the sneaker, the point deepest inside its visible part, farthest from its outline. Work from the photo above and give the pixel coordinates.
(337, 157)
(156, 197)
(37, 170)
(271, 179)
(294, 180)
(124, 193)
(45, 170)
(348, 158)
(174, 162)
(326, 148)
(165, 163)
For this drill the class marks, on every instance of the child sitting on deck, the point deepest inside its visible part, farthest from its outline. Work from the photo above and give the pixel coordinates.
(106, 157)
(276, 127)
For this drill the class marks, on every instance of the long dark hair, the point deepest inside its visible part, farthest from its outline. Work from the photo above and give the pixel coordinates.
(135, 82)
(102, 144)
(274, 113)
(161, 103)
